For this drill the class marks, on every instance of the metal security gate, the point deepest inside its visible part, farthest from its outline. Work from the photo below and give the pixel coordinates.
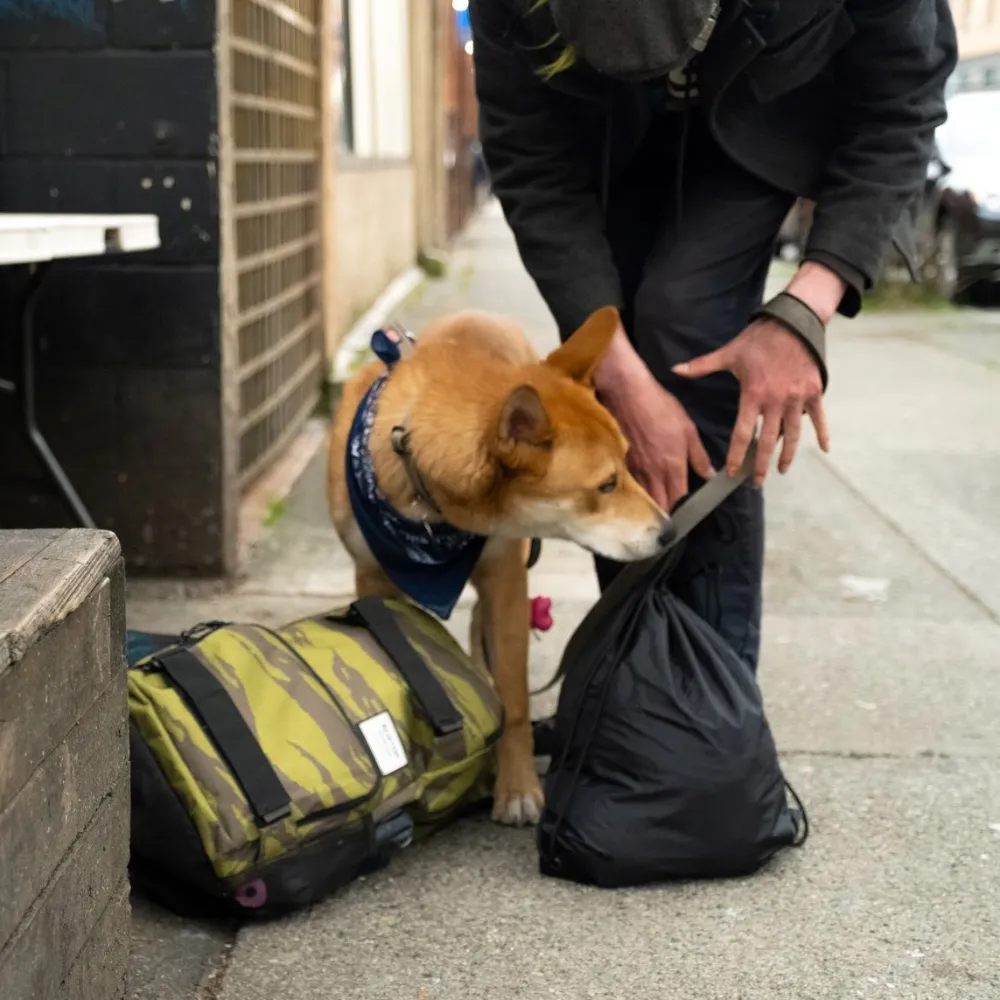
(269, 73)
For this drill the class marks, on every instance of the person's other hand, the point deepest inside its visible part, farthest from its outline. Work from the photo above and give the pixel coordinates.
(663, 439)
(779, 378)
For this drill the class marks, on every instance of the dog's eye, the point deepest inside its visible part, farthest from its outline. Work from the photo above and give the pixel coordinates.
(609, 485)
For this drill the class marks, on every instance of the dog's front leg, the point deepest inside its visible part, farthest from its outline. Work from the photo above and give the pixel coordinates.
(501, 579)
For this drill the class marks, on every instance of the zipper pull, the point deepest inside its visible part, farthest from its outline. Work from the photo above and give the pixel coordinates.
(198, 632)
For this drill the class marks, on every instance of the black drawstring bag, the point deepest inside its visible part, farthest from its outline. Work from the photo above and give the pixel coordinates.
(663, 764)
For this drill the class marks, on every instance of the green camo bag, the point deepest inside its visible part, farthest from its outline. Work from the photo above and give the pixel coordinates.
(270, 767)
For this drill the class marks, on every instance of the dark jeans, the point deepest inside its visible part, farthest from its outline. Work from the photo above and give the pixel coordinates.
(693, 250)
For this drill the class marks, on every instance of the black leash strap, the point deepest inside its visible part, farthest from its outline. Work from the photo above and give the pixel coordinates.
(380, 622)
(534, 552)
(232, 736)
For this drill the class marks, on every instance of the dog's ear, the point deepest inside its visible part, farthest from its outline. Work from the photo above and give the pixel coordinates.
(524, 431)
(523, 419)
(583, 351)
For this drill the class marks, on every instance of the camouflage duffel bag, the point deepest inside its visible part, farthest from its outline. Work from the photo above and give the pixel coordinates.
(270, 767)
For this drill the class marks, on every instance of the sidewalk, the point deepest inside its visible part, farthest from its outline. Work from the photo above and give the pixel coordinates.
(880, 670)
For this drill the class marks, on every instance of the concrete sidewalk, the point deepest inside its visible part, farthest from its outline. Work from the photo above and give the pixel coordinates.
(880, 670)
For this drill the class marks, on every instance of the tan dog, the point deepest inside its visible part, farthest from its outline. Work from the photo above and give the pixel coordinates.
(507, 446)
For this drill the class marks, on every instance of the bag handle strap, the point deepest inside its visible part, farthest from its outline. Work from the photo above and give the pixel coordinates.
(230, 732)
(687, 517)
(380, 622)
(706, 499)
(711, 495)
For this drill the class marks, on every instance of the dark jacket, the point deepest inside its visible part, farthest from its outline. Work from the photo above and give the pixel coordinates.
(833, 100)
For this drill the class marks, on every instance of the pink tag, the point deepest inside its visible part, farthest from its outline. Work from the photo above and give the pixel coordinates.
(541, 613)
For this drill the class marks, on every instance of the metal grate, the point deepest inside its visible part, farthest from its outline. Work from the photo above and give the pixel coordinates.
(274, 115)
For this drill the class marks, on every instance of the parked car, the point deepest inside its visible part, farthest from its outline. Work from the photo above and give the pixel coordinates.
(791, 241)
(960, 219)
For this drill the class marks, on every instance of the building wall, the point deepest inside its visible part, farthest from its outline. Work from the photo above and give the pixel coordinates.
(978, 26)
(111, 107)
(461, 112)
(375, 212)
(429, 33)
(375, 206)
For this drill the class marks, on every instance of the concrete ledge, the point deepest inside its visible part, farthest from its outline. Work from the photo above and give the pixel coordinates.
(98, 967)
(43, 821)
(64, 783)
(45, 575)
(53, 936)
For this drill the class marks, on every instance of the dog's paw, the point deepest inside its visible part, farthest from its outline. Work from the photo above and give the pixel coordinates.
(518, 806)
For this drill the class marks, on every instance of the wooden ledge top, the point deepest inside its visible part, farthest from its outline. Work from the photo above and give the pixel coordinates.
(45, 575)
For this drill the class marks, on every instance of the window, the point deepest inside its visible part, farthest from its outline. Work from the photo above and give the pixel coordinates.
(978, 13)
(343, 97)
(375, 85)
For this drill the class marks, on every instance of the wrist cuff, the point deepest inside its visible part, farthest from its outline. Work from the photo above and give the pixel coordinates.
(798, 318)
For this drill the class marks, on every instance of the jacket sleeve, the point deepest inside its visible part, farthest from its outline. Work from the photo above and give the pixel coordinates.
(892, 75)
(541, 174)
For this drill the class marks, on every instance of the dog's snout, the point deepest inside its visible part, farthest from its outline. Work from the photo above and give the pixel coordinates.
(667, 533)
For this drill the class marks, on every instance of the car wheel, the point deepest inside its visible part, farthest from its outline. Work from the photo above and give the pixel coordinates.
(942, 271)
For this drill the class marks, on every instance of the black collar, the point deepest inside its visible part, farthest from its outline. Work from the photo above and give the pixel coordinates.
(401, 446)
(400, 345)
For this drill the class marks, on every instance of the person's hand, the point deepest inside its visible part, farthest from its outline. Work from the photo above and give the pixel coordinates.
(662, 437)
(779, 381)
(779, 378)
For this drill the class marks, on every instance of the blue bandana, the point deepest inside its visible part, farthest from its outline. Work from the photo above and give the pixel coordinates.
(430, 563)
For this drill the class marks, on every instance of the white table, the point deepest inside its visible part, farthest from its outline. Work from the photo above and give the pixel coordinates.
(37, 240)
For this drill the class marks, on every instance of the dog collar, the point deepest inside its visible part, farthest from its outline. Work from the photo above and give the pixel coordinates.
(430, 563)
(400, 440)
(391, 345)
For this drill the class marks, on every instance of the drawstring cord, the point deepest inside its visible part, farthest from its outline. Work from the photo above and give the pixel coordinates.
(802, 827)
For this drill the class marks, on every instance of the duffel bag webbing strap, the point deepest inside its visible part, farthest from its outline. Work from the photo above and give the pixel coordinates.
(381, 623)
(229, 731)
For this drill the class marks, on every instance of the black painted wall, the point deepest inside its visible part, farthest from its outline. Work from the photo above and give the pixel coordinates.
(110, 106)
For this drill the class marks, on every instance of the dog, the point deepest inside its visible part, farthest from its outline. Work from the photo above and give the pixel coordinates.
(473, 444)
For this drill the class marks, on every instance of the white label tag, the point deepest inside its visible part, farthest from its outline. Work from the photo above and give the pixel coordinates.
(383, 740)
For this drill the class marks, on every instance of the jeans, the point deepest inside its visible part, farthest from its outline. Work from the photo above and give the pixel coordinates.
(693, 238)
